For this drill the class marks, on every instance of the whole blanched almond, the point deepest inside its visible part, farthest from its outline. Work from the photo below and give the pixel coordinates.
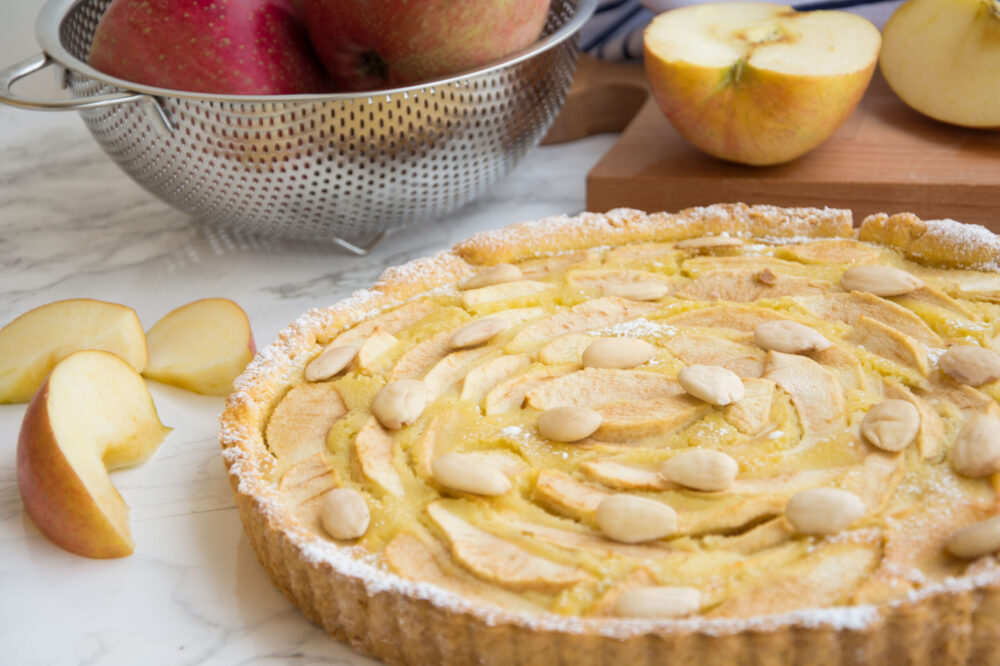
(971, 365)
(332, 361)
(823, 510)
(879, 280)
(637, 291)
(477, 332)
(493, 275)
(977, 448)
(469, 474)
(976, 540)
(400, 403)
(891, 425)
(569, 423)
(633, 519)
(618, 353)
(712, 384)
(789, 337)
(706, 242)
(701, 469)
(654, 602)
(344, 514)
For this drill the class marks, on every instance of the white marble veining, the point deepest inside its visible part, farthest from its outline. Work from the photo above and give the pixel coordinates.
(73, 225)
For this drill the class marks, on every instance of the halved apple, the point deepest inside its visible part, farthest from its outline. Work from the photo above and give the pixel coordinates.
(202, 346)
(93, 414)
(37, 340)
(758, 83)
(942, 57)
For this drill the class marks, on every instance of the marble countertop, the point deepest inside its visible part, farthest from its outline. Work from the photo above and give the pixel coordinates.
(73, 225)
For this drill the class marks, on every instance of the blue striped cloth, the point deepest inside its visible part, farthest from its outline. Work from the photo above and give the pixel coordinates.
(615, 30)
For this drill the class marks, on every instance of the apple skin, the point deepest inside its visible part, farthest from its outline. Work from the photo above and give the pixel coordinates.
(227, 47)
(764, 120)
(373, 44)
(54, 495)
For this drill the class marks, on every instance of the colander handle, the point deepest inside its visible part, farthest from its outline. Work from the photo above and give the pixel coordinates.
(15, 73)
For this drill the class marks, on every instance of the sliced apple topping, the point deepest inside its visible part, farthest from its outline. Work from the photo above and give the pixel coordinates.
(739, 317)
(301, 420)
(34, 342)
(849, 308)
(566, 496)
(510, 393)
(483, 378)
(603, 279)
(475, 299)
(374, 450)
(658, 602)
(742, 286)
(451, 369)
(421, 357)
(826, 577)
(498, 560)
(816, 393)
(842, 252)
(304, 484)
(751, 414)
(630, 421)
(565, 349)
(371, 352)
(595, 387)
(590, 315)
(92, 414)
(622, 476)
(890, 343)
(702, 349)
(391, 322)
(424, 561)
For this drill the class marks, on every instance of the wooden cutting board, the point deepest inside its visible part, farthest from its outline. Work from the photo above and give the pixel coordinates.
(886, 157)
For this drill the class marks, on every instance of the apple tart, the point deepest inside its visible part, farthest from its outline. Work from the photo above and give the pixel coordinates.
(728, 435)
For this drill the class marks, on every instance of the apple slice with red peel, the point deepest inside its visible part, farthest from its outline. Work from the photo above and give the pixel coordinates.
(202, 346)
(758, 83)
(34, 342)
(94, 413)
(942, 57)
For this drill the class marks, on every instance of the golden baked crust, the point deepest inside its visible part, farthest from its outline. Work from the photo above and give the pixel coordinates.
(405, 622)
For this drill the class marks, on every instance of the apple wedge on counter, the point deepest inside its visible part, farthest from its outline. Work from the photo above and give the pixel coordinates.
(34, 342)
(942, 57)
(92, 414)
(202, 346)
(758, 83)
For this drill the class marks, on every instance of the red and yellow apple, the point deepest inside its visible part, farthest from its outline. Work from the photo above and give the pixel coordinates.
(942, 57)
(387, 43)
(235, 47)
(34, 342)
(202, 346)
(758, 83)
(92, 414)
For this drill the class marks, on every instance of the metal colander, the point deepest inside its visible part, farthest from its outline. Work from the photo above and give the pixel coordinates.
(341, 167)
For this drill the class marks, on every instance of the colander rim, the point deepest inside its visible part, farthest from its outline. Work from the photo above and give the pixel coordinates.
(51, 16)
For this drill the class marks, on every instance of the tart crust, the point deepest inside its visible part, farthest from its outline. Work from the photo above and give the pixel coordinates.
(402, 622)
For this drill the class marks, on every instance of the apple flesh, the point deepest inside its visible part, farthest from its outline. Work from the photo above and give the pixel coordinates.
(34, 342)
(232, 47)
(942, 57)
(389, 43)
(92, 414)
(202, 346)
(758, 83)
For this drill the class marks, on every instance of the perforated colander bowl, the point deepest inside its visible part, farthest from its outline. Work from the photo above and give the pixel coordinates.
(341, 167)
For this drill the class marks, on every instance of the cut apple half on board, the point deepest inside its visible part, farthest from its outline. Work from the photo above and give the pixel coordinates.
(202, 346)
(942, 57)
(94, 413)
(37, 340)
(758, 83)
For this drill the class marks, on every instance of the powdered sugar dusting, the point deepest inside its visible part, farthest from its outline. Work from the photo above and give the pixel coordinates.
(970, 240)
(635, 328)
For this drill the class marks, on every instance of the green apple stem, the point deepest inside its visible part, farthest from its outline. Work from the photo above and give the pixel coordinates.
(735, 73)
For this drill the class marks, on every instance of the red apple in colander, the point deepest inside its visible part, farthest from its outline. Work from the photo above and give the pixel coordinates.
(235, 47)
(373, 44)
